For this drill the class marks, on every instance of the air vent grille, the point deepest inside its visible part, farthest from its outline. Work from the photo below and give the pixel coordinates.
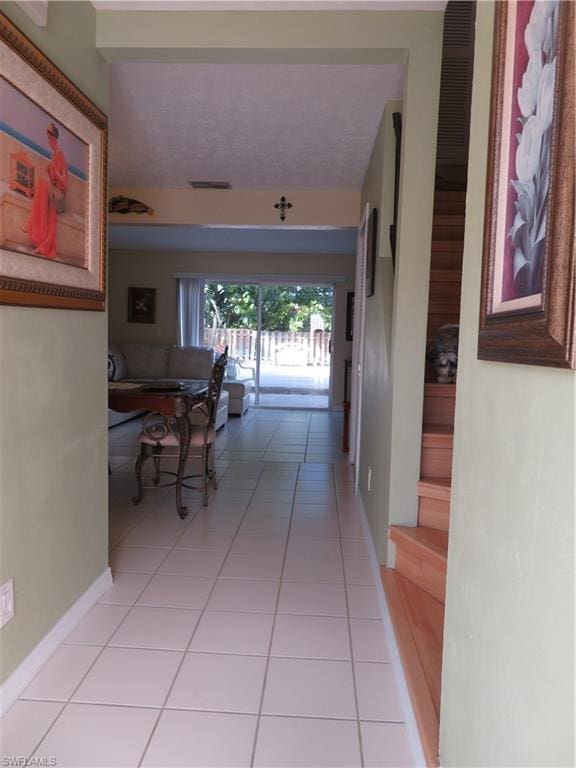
(210, 184)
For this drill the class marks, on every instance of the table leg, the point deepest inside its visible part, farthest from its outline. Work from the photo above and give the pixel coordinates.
(183, 424)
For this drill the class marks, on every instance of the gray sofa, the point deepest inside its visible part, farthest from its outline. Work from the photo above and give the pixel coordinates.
(239, 383)
(135, 361)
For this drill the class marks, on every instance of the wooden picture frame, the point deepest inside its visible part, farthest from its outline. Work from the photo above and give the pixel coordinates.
(527, 312)
(142, 305)
(53, 212)
(371, 248)
(350, 316)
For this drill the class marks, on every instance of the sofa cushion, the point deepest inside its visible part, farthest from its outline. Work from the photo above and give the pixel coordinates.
(190, 362)
(120, 367)
(238, 388)
(146, 361)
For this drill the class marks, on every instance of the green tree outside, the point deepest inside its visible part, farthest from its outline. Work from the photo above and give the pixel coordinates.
(284, 308)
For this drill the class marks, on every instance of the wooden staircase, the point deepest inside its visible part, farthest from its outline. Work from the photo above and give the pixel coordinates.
(416, 587)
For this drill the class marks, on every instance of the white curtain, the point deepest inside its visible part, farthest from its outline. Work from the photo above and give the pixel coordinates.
(190, 311)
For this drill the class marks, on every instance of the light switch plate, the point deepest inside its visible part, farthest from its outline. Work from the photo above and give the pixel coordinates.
(6, 602)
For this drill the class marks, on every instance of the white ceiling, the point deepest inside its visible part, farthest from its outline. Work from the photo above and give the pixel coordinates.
(263, 5)
(249, 124)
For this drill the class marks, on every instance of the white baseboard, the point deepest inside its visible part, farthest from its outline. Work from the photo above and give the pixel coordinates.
(33, 663)
(410, 719)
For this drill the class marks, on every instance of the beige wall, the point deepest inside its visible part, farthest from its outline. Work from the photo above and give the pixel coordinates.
(508, 679)
(53, 505)
(156, 270)
(318, 206)
(378, 190)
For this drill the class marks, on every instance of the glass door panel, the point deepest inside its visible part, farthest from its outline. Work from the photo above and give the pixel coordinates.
(295, 346)
(231, 319)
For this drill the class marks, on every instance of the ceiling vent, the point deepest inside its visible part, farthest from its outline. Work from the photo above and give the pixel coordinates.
(210, 184)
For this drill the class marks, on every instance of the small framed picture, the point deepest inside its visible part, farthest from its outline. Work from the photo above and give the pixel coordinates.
(371, 247)
(349, 315)
(141, 305)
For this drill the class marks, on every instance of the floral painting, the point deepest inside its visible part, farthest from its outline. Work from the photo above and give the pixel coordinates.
(528, 112)
(528, 299)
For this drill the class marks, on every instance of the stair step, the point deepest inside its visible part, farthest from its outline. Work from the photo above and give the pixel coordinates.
(434, 503)
(444, 292)
(450, 194)
(439, 403)
(421, 557)
(418, 622)
(450, 219)
(446, 260)
(436, 455)
(447, 246)
(451, 232)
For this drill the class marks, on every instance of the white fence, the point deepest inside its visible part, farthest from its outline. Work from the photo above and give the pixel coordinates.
(276, 347)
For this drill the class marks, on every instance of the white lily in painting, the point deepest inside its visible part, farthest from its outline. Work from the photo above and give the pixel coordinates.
(536, 101)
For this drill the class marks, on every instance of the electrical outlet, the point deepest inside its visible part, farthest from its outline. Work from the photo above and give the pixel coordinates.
(6, 602)
(369, 477)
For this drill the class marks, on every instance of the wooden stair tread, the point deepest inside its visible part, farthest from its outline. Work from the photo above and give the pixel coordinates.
(434, 389)
(418, 622)
(447, 245)
(435, 487)
(438, 429)
(438, 436)
(450, 219)
(429, 543)
(446, 275)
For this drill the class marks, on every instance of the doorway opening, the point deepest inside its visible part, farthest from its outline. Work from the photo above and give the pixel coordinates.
(282, 332)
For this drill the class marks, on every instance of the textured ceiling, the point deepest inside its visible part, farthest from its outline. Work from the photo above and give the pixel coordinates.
(247, 5)
(249, 124)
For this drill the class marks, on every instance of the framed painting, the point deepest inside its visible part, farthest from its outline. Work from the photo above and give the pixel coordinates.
(350, 316)
(52, 183)
(528, 286)
(371, 247)
(141, 305)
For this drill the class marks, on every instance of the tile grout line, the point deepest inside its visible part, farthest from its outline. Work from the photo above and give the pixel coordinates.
(103, 647)
(130, 609)
(267, 666)
(202, 613)
(352, 656)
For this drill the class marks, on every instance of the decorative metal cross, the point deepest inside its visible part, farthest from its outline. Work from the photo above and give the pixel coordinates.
(283, 205)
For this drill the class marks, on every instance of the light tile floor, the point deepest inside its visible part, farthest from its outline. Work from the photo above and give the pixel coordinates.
(248, 634)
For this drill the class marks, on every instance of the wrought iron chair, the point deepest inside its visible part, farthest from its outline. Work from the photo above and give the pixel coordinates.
(158, 433)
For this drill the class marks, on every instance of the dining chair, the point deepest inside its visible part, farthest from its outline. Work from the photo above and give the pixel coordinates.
(159, 432)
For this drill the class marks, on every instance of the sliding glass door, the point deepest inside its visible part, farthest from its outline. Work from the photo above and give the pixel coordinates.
(284, 332)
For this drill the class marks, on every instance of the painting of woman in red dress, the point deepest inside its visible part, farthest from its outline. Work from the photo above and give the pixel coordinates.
(49, 200)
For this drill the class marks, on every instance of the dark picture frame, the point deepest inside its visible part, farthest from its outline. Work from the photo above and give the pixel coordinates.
(52, 199)
(527, 312)
(350, 316)
(371, 248)
(142, 305)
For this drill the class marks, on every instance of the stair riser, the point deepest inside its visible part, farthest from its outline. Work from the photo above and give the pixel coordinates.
(439, 410)
(446, 260)
(444, 292)
(436, 462)
(425, 575)
(434, 513)
(449, 208)
(448, 232)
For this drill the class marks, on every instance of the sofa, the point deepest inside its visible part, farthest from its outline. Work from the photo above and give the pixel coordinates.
(239, 383)
(133, 361)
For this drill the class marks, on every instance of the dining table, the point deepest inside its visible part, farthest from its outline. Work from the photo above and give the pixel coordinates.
(172, 400)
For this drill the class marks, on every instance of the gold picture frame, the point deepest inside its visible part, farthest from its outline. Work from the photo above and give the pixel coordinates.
(527, 311)
(53, 238)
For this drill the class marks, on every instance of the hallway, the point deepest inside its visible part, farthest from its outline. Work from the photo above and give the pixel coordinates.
(247, 634)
